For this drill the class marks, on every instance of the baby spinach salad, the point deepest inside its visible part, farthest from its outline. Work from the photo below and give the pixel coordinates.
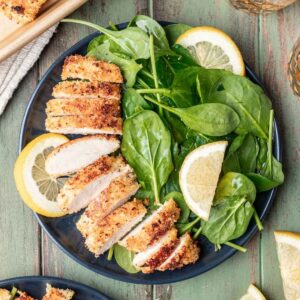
(171, 106)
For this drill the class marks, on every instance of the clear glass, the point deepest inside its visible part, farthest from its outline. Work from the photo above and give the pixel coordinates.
(294, 69)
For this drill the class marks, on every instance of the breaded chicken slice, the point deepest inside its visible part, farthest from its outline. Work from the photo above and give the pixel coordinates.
(105, 108)
(102, 234)
(58, 294)
(4, 294)
(83, 124)
(21, 11)
(186, 252)
(87, 90)
(147, 261)
(89, 68)
(79, 190)
(119, 191)
(152, 228)
(79, 153)
(23, 296)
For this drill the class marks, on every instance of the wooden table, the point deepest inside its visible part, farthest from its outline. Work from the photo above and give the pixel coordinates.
(266, 42)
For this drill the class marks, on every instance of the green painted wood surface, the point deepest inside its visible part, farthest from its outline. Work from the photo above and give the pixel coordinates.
(265, 42)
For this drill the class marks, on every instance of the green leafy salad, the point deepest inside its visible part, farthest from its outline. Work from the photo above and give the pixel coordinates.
(171, 105)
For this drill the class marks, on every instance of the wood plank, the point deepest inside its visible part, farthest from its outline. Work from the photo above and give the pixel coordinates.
(19, 246)
(279, 32)
(231, 279)
(54, 261)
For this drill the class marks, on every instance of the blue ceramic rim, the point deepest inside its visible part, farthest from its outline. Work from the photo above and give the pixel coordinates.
(231, 251)
(74, 284)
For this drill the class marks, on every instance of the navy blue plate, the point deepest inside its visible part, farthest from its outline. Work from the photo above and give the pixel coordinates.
(35, 286)
(63, 231)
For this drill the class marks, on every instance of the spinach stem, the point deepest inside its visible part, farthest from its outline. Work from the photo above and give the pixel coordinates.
(189, 226)
(142, 83)
(168, 64)
(113, 26)
(235, 246)
(110, 253)
(271, 121)
(146, 73)
(198, 232)
(13, 293)
(258, 221)
(153, 91)
(154, 72)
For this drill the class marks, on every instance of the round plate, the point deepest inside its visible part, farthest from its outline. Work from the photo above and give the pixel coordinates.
(35, 286)
(63, 231)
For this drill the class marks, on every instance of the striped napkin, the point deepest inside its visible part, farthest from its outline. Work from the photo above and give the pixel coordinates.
(13, 69)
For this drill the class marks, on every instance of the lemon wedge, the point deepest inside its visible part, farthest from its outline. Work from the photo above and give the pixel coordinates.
(199, 174)
(213, 49)
(36, 187)
(288, 250)
(253, 293)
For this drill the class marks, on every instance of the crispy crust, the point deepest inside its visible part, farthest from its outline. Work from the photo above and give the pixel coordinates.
(58, 294)
(100, 232)
(4, 294)
(88, 68)
(21, 11)
(84, 124)
(148, 232)
(187, 252)
(72, 107)
(84, 89)
(23, 296)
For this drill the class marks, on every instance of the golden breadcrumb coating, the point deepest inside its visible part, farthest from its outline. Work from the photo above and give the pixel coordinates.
(58, 294)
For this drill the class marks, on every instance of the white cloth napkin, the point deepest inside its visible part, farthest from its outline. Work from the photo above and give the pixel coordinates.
(13, 69)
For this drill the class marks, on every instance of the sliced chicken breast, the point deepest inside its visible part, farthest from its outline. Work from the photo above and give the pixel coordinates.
(119, 191)
(84, 124)
(89, 68)
(102, 234)
(77, 154)
(58, 294)
(4, 294)
(147, 261)
(186, 252)
(152, 228)
(23, 296)
(89, 182)
(72, 107)
(87, 90)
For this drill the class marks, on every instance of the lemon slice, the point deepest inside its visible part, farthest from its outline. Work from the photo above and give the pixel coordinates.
(36, 187)
(288, 250)
(199, 176)
(253, 293)
(213, 49)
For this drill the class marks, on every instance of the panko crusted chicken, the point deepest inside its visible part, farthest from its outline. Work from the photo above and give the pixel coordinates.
(6, 295)
(185, 253)
(79, 153)
(147, 261)
(103, 233)
(87, 90)
(119, 191)
(152, 228)
(79, 190)
(21, 11)
(58, 294)
(89, 68)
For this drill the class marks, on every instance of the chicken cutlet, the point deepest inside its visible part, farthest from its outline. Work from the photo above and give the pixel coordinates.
(21, 11)
(186, 252)
(104, 233)
(78, 153)
(4, 294)
(106, 108)
(89, 68)
(57, 294)
(148, 260)
(119, 191)
(84, 124)
(79, 190)
(87, 90)
(152, 228)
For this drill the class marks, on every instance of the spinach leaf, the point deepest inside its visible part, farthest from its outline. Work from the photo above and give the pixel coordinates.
(178, 129)
(235, 184)
(128, 66)
(146, 145)
(150, 26)
(184, 209)
(213, 119)
(228, 220)
(132, 103)
(124, 259)
(133, 41)
(173, 31)
(96, 42)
